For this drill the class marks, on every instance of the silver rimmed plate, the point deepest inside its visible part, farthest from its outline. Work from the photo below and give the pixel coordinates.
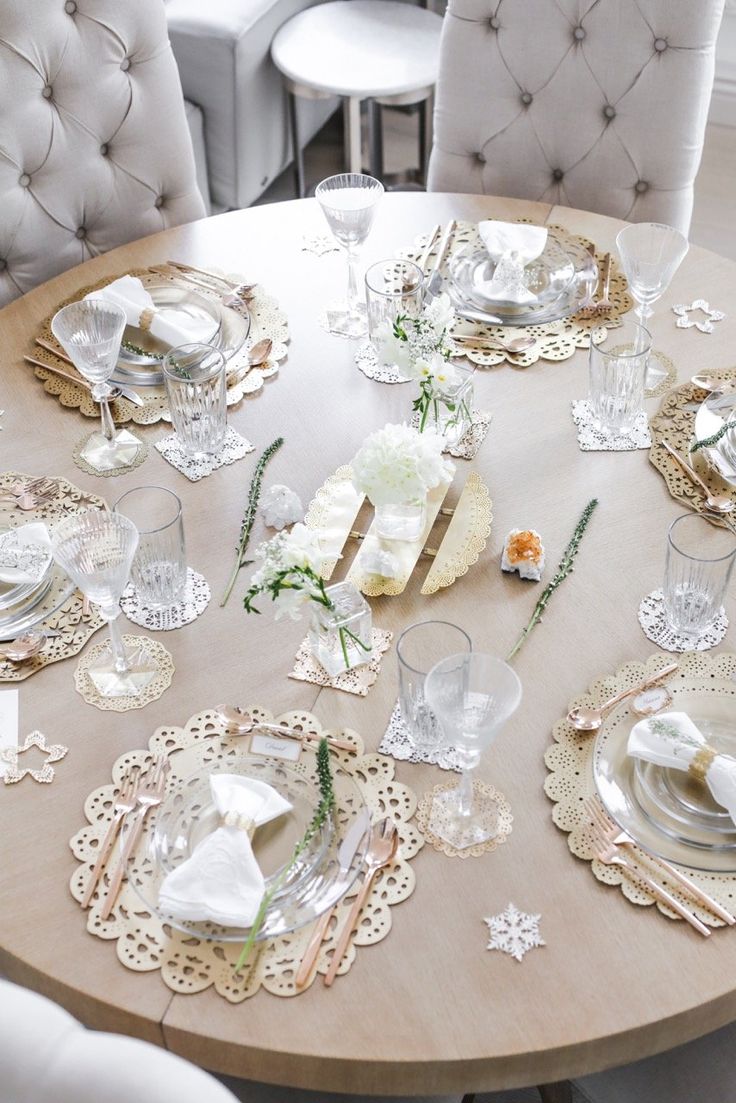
(188, 814)
(709, 419)
(670, 813)
(56, 588)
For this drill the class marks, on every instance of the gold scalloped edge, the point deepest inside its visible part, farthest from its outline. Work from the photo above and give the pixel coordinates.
(449, 565)
(323, 507)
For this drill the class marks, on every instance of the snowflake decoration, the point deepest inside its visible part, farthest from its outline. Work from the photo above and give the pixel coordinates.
(685, 322)
(513, 932)
(46, 774)
(319, 244)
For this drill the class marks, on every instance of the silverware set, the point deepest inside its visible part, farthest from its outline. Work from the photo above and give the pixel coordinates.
(603, 304)
(31, 493)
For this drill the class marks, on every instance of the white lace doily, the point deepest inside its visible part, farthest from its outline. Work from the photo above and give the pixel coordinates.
(139, 458)
(397, 742)
(367, 361)
(234, 447)
(513, 932)
(196, 599)
(471, 440)
(358, 680)
(155, 651)
(655, 627)
(592, 439)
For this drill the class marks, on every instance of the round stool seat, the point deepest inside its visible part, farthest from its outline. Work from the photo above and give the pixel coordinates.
(360, 48)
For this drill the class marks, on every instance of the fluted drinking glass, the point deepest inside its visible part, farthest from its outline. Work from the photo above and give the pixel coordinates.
(698, 567)
(159, 571)
(90, 332)
(196, 387)
(419, 648)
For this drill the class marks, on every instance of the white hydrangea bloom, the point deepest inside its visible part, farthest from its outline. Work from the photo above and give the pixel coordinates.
(398, 464)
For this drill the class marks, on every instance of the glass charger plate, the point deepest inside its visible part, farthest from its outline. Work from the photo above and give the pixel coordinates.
(667, 811)
(51, 595)
(315, 884)
(710, 417)
(228, 328)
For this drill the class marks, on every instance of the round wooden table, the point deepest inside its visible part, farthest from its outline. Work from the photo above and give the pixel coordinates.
(428, 1010)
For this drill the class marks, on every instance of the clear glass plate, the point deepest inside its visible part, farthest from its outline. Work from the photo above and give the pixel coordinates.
(315, 884)
(709, 418)
(56, 588)
(667, 811)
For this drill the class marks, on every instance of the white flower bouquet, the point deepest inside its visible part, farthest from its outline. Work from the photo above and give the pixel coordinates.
(399, 464)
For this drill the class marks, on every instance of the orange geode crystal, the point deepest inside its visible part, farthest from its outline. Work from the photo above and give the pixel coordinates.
(524, 547)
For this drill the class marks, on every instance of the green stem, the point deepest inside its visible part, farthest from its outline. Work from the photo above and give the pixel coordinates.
(254, 495)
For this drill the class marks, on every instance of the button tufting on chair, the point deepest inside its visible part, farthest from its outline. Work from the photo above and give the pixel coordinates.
(54, 177)
(660, 44)
(557, 174)
(641, 186)
(526, 98)
(3, 264)
(494, 22)
(158, 201)
(579, 33)
(609, 112)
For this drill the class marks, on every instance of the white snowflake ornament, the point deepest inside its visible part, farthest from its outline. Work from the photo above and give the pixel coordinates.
(684, 321)
(280, 507)
(513, 932)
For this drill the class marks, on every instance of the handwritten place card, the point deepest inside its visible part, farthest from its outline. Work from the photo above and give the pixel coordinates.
(273, 747)
(8, 722)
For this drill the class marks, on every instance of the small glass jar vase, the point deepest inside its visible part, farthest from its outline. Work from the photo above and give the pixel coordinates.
(342, 637)
(450, 412)
(401, 520)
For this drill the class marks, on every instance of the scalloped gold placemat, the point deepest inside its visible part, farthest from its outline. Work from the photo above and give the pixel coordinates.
(570, 782)
(189, 965)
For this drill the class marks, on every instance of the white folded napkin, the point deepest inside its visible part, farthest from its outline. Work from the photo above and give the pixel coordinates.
(169, 325)
(512, 246)
(671, 739)
(25, 554)
(222, 881)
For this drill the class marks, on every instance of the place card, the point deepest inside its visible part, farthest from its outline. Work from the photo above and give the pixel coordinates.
(273, 747)
(8, 724)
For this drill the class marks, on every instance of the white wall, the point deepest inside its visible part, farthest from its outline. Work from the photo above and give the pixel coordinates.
(723, 104)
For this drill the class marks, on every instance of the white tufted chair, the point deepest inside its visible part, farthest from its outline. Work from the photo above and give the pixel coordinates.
(94, 145)
(598, 104)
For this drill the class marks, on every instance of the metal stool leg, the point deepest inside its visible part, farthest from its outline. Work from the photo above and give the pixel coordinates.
(297, 148)
(376, 139)
(426, 134)
(353, 150)
(560, 1092)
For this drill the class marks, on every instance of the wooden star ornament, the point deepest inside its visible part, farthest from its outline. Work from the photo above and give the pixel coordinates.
(46, 774)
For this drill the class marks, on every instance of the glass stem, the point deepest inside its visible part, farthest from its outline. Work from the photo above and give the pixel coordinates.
(352, 295)
(116, 640)
(100, 394)
(465, 793)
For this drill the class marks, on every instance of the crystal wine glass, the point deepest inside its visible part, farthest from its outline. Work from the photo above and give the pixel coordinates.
(90, 332)
(348, 202)
(650, 255)
(96, 549)
(472, 695)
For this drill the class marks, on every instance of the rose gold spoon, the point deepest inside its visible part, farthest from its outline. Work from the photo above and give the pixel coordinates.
(584, 718)
(239, 722)
(716, 503)
(711, 384)
(24, 647)
(513, 345)
(260, 352)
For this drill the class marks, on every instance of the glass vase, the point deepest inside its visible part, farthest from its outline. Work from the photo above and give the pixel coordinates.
(450, 413)
(341, 638)
(401, 520)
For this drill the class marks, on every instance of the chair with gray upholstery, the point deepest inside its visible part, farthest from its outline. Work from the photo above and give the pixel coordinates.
(597, 104)
(94, 144)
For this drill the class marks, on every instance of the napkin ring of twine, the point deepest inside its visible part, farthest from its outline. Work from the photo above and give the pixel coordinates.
(237, 819)
(701, 762)
(146, 318)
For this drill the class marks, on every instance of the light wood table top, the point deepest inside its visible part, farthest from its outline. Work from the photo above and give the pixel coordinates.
(428, 1009)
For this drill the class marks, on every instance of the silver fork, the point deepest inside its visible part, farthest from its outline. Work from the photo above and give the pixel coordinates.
(150, 793)
(618, 837)
(125, 803)
(611, 855)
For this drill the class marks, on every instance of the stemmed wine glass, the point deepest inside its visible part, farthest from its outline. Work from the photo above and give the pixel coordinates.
(96, 549)
(348, 202)
(90, 332)
(650, 255)
(472, 695)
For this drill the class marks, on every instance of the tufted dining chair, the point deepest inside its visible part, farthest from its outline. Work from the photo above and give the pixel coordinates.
(94, 145)
(597, 104)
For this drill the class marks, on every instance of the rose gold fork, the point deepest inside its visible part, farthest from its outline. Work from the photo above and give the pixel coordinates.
(611, 855)
(150, 793)
(125, 802)
(604, 303)
(617, 837)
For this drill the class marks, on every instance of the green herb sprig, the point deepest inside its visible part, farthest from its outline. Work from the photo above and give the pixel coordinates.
(249, 516)
(323, 810)
(141, 352)
(709, 441)
(563, 570)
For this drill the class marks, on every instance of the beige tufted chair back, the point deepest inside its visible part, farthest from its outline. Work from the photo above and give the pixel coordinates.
(598, 104)
(94, 145)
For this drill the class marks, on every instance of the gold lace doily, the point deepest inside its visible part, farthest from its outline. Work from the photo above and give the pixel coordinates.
(267, 320)
(570, 781)
(675, 423)
(358, 680)
(189, 965)
(75, 627)
(159, 683)
(555, 340)
(140, 457)
(483, 794)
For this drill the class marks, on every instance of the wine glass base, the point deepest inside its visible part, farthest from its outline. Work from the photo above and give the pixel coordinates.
(109, 682)
(659, 371)
(343, 322)
(448, 823)
(109, 455)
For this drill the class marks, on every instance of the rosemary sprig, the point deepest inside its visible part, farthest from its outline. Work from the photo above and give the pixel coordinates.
(563, 570)
(322, 811)
(708, 441)
(141, 352)
(249, 516)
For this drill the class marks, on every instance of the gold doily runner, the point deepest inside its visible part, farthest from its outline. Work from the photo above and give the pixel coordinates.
(267, 321)
(570, 781)
(483, 794)
(190, 965)
(75, 626)
(555, 340)
(675, 423)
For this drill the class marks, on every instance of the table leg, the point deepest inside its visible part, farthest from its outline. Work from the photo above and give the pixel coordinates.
(297, 147)
(353, 150)
(376, 139)
(561, 1092)
(426, 134)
